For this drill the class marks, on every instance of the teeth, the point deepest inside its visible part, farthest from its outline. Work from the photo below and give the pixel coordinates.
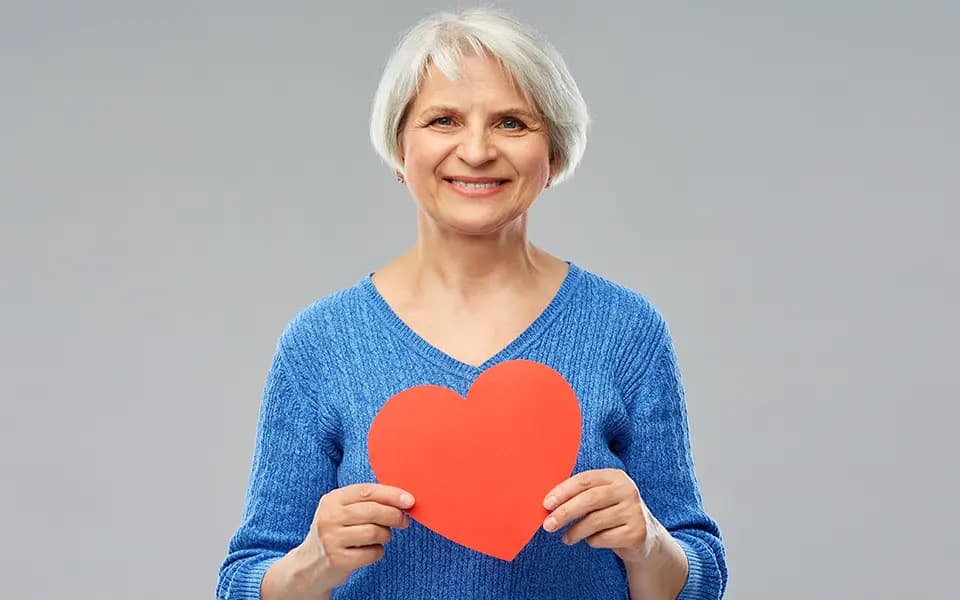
(476, 186)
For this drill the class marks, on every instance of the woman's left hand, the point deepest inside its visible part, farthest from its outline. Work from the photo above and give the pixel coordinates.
(612, 514)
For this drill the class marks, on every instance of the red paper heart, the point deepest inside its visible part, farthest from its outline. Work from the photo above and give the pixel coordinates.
(480, 468)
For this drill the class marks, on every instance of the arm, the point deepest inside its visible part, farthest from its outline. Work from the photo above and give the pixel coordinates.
(663, 574)
(656, 452)
(293, 577)
(294, 463)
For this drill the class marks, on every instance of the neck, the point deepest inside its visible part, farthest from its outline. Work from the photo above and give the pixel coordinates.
(469, 266)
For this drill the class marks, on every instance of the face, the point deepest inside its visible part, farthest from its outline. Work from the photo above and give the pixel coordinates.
(475, 154)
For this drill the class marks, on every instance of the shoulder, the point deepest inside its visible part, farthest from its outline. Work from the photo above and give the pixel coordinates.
(320, 329)
(613, 300)
(633, 326)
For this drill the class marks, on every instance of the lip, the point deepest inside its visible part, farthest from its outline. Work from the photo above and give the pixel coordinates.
(476, 193)
(477, 179)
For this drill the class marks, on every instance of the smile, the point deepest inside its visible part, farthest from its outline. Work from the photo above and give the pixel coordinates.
(477, 189)
(487, 184)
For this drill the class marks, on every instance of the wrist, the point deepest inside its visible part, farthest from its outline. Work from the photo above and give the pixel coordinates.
(310, 570)
(299, 575)
(648, 556)
(662, 574)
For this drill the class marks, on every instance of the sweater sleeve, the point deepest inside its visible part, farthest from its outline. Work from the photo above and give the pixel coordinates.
(294, 464)
(658, 457)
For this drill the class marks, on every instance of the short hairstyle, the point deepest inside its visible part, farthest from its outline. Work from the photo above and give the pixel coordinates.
(440, 39)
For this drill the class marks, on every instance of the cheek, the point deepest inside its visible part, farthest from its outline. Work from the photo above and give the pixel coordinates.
(423, 154)
(535, 158)
(536, 165)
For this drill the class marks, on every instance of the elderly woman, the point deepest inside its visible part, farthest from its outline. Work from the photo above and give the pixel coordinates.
(478, 114)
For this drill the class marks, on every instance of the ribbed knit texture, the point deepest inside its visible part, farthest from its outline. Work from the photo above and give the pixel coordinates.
(339, 360)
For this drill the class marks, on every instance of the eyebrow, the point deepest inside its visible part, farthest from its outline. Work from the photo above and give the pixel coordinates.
(500, 113)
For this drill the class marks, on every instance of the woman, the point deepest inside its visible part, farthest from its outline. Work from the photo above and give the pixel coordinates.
(478, 115)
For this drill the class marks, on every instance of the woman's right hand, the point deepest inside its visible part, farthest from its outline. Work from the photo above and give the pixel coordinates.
(350, 527)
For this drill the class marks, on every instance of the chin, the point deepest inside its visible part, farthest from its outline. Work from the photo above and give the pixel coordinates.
(476, 224)
(473, 217)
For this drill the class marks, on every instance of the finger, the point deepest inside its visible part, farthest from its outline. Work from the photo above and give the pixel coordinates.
(376, 492)
(360, 557)
(593, 499)
(575, 485)
(357, 536)
(593, 523)
(617, 537)
(360, 513)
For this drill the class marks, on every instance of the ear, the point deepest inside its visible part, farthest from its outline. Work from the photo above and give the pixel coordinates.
(554, 167)
(401, 126)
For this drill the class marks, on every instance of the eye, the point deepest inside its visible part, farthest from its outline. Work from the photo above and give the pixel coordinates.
(438, 120)
(517, 124)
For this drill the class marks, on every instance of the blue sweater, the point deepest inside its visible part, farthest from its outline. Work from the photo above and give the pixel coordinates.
(340, 359)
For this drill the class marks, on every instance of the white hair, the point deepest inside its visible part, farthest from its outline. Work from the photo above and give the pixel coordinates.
(538, 68)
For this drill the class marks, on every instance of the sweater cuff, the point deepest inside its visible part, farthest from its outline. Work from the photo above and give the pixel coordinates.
(703, 575)
(246, 583)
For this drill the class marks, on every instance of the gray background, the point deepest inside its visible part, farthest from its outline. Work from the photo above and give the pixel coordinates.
(780, 178)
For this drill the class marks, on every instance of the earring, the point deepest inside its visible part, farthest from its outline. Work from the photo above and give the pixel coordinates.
(399, 177)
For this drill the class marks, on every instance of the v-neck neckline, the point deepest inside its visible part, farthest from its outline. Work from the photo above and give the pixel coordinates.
(457, 366)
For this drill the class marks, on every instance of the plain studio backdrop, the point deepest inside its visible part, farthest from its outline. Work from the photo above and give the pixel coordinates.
(780, 178)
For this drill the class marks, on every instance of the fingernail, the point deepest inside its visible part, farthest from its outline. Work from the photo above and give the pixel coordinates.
(550, 524)
(550, 502)
(406, 499)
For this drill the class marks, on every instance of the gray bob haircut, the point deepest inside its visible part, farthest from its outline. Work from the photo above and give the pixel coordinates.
(441, 38)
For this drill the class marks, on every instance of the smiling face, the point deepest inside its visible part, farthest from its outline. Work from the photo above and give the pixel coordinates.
(476, 154)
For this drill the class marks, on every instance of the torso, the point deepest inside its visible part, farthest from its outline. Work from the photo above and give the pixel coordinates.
(476, 331)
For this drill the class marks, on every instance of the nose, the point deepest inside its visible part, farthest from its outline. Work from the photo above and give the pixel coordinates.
(476, 147)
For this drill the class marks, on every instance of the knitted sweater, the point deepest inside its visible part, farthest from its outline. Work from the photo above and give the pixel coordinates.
(339, 360)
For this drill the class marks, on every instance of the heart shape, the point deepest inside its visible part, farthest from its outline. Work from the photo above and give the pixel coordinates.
(480, 467)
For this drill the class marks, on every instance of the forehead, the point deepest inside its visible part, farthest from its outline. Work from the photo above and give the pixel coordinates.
(481, 80)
